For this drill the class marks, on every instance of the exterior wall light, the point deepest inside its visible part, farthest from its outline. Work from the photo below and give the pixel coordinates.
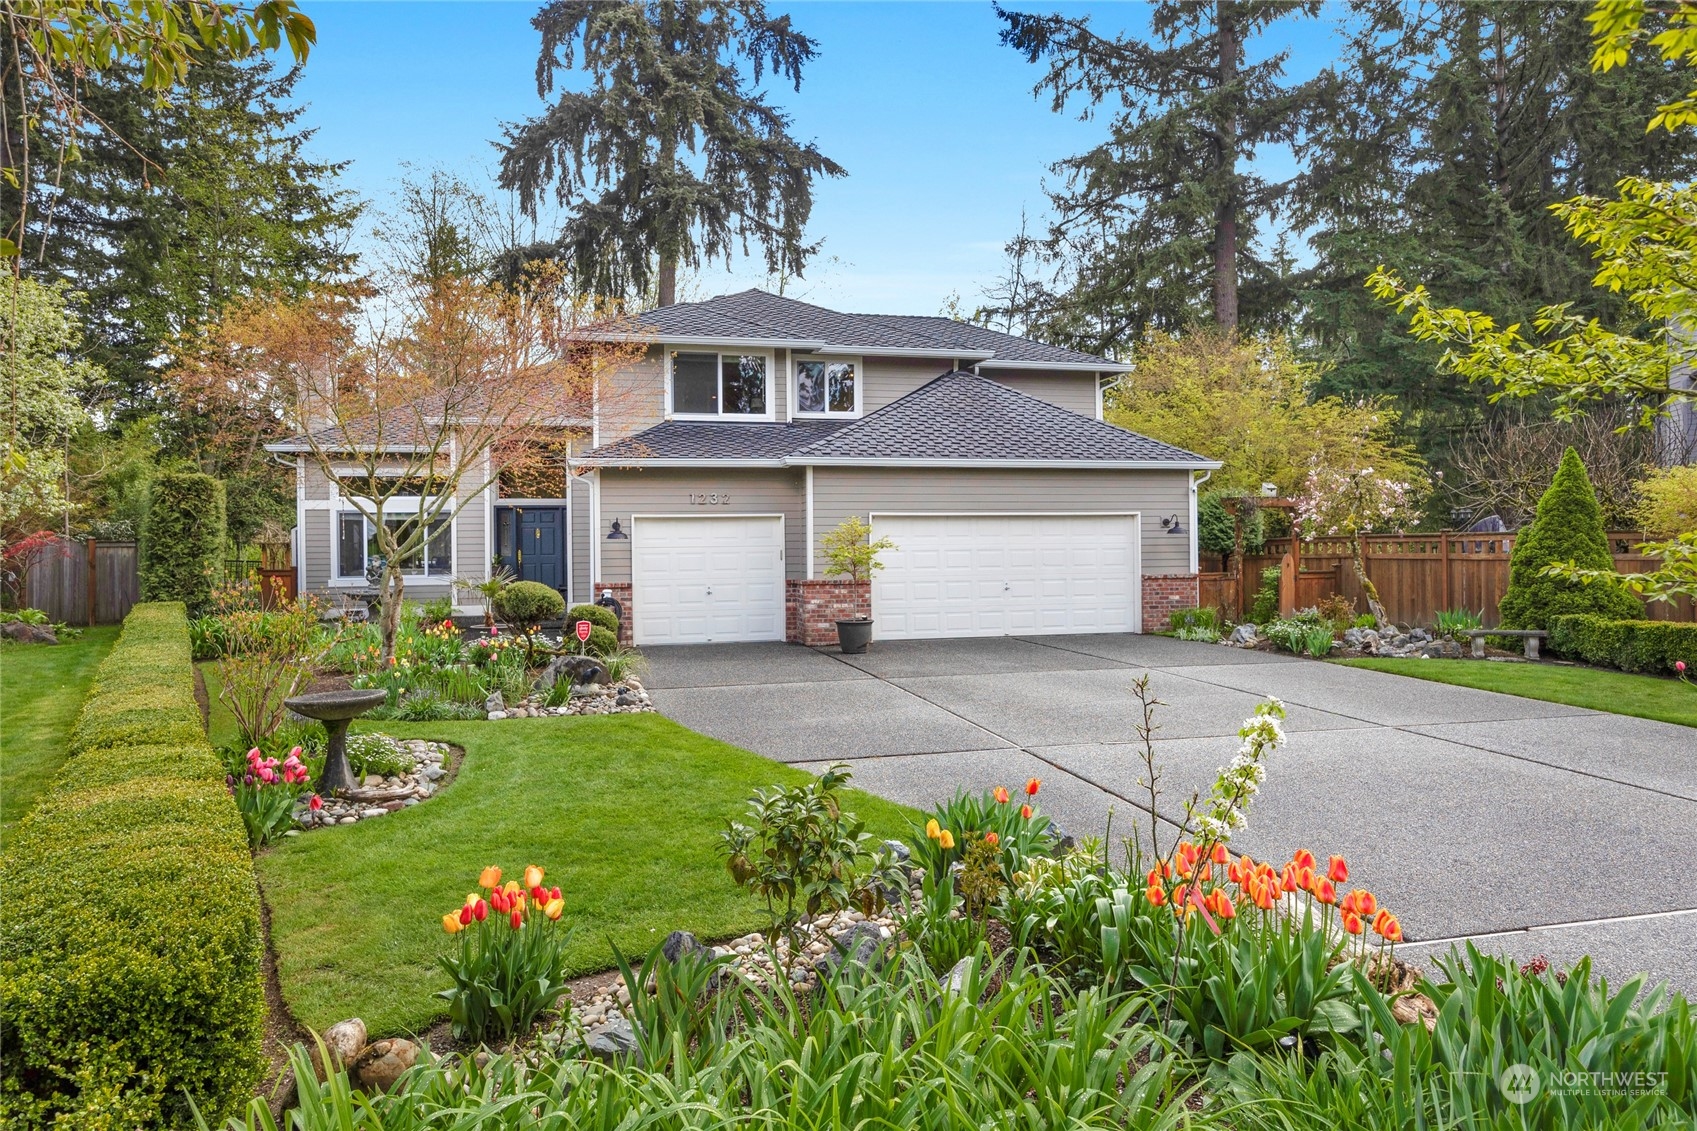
(1172, 525)
(615, 533)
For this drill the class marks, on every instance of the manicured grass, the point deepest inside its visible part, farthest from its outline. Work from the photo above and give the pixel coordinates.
(1646, 696)
(42, 688)
(623, 812)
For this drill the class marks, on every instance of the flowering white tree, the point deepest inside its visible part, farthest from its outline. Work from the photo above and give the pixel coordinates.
(1343, 497)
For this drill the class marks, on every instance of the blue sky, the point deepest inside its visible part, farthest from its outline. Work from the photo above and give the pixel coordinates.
(933, 118)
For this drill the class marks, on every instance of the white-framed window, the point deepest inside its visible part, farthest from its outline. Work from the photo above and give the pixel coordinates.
(827, 386)
(714, 385)
(356, 543)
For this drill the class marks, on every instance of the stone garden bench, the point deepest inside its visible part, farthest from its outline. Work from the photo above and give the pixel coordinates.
(1530, 637)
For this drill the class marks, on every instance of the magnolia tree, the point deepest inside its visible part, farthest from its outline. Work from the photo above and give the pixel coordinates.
(1344, 499)
(416, 398)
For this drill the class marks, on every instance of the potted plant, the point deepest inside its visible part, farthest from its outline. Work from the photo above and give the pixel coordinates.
(850, 552)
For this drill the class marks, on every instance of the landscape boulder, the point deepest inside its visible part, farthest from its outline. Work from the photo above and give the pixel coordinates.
(381, 1063)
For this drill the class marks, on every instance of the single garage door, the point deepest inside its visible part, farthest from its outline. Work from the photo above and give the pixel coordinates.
(1006, 575)
(707, 580)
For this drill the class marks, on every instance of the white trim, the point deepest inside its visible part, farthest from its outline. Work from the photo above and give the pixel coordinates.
(1011, 464)
(621, 464)
(783, 564)
(594, 535)
(955, 355)
(300, 526)
(810, 524)
(994, 362)
(1136, 539)
(794, 388)
(721, 417)
(1195, 535)
(489, 492)
(1101, 408)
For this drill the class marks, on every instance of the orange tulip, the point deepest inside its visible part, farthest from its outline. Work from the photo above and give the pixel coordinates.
(1337, 870)
(451, 923)
(1387, 926)
(1305, 878)
(554, 908)
(991, 839)
(1365, 904)
(1025, 812)
(1001, 795)
(1352, 922)
(1220, 855)
(1287, 879)
(1223, 906)
(1325, 891)
(533, 877)
(1303, 858)
(490, 877)
(1266, 895)
(946, 839)
(1157, 895)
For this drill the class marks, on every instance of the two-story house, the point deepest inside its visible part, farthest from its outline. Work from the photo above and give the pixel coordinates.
(756, 423)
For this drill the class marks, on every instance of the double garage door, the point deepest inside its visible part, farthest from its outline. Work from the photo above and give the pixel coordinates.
(721, 579)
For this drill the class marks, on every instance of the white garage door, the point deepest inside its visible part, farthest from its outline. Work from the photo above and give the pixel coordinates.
(1006, 575)
(707, 580)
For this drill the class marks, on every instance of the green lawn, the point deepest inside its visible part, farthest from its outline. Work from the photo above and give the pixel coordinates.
(1646, 696)
(42, 688)
(623, 811)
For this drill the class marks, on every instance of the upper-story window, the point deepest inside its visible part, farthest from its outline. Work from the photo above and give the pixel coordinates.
(827, 387)
(721, 384)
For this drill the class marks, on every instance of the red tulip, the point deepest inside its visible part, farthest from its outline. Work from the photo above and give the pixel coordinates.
(480, 910)
(1305, 879)
(1386, 924)
(554, 893)
(1031, 787)
(1365, 904)
(1156, 894)
(1025, 812)
(517, 919)
(466, 913)
(1287, 879)
(1001, 795)
(315, 803)
(1337, 870)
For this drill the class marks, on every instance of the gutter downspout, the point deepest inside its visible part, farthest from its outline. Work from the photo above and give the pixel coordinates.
(1195, 534)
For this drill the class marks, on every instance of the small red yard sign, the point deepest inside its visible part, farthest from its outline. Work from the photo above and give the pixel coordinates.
(583, 631)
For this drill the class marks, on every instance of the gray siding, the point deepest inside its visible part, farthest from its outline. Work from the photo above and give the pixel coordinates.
(891, 378)
(654, 491)
(839, 492)
(579, 582)
(633, 398)
(1075, 392)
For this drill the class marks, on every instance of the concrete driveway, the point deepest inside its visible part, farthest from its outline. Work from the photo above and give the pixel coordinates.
(1533, 827)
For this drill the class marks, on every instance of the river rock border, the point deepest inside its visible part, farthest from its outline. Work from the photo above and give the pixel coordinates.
(378, 796)
(625, 698)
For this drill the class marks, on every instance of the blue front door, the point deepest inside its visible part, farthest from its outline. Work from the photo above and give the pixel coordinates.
(540, 545)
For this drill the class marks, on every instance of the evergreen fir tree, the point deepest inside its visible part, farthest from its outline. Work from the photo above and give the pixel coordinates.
(669, 156)
(1568, 528)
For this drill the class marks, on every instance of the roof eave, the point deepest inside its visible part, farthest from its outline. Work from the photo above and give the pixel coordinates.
(693, 461)
(1079, 366)
(1182, 464)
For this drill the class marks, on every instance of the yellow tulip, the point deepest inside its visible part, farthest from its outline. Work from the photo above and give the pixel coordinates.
(471, 898)
(511, 887)
(555, 908)
(451, 922)
(532, 877)
(932, 829)
(490, 878)
(946, 839)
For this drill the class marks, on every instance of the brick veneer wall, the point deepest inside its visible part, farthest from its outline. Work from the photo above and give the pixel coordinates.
(1164, 592)
(813, 608)
(621, 594)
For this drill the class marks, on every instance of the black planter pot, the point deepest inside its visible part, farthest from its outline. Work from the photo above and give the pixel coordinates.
(854, 635)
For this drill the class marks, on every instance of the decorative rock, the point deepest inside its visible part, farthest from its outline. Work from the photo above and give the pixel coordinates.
(954, 981)
(381, 1064)
(678, 944)
(862, 945)
(613, 1042)
(343, 1041)
(1244, 634)
(28, 633)
(497, 715)
(495, 704)
(897, 851)
(1064, 840)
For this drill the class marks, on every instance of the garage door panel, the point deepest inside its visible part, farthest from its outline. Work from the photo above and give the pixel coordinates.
(707, 580)
(995, 575)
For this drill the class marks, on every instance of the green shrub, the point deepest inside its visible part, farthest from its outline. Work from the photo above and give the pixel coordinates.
(601, 642)
(529, 603)
(594, 614)
(1567, 527)
(1265, 607)
(130, 950)
(182, 544)
(1208, 619)
(1215, 531)
(1652, 646)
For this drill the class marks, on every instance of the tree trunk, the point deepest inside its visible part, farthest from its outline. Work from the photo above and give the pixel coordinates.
(393, 587)
(1225, 215)
(668, 279)
(1368, 589)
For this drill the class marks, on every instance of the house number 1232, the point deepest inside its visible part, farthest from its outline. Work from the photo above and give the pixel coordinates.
(710, 499)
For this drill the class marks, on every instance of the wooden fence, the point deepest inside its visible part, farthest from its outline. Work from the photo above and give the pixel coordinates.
(83, 582)
(1416, 575)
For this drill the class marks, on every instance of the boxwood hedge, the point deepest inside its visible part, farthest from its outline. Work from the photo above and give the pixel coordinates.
(1631, 645)
(130, 946)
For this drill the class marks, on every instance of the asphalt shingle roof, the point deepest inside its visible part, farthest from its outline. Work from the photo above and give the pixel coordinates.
(759, 315)
(958, 416)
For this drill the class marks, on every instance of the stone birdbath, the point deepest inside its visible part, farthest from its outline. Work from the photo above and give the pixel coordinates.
(336, 709)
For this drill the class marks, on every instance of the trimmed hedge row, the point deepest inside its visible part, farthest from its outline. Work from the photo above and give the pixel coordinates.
(130, 946)
(1630, 645)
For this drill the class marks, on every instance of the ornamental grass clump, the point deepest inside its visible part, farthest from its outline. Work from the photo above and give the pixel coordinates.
(510, 960)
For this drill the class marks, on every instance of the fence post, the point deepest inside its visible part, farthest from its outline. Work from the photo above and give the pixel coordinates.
(1444, 559)
(93, 580)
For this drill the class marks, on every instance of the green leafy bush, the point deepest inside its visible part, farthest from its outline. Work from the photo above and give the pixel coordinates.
(1297, 632)
(1206, 619)
(1264, 608)
(1216, 533)
(595, 615)
(437, 609)
(374, 754)
(1317, 642)
(1454, 622)
(529, 603)
(1652, 646)
(1568, 527)
(182, 544)
(601, 642)
(206, 638)
(130, 950)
